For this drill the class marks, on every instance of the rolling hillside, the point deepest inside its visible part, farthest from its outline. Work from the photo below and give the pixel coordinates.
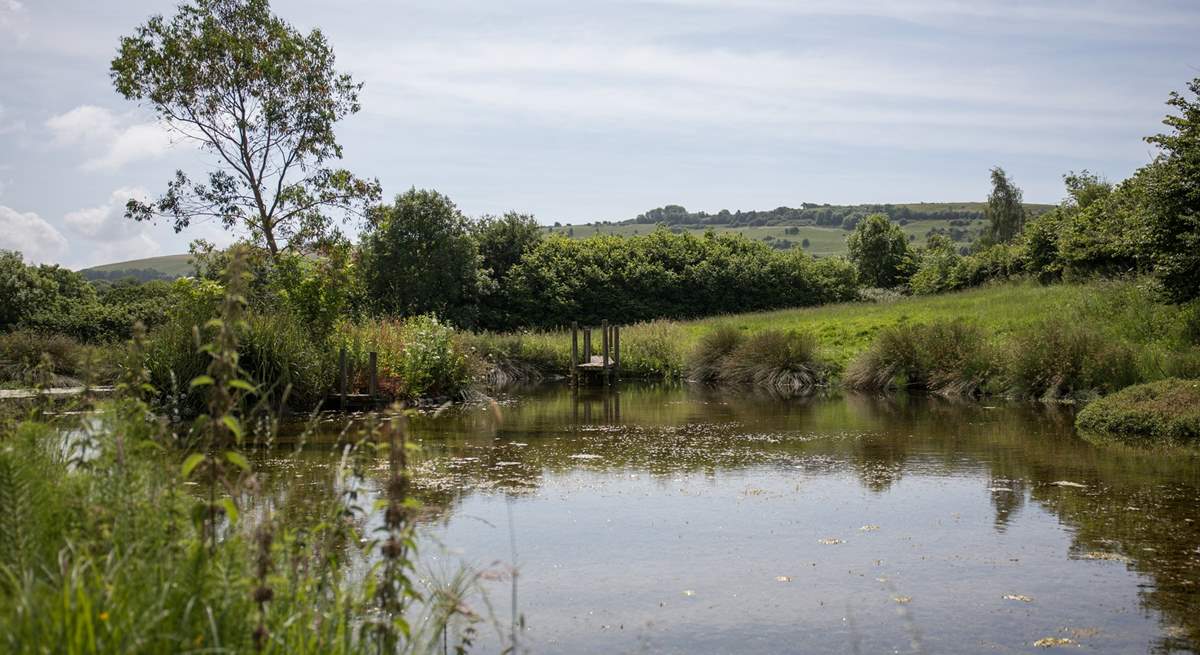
(166, 266)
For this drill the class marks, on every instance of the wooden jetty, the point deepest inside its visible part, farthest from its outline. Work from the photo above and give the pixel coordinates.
(604, 367)
(345, 399)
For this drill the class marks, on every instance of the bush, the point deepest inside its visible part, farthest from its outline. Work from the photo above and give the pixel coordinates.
(663, 275)
(1163, 411)
(952, 358)
(417, 357)
(880, 250)
(1057, 359)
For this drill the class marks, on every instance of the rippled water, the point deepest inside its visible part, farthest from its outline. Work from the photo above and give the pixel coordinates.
(668, 519)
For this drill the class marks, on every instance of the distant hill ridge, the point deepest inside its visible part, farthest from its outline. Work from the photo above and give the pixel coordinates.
(951, 214)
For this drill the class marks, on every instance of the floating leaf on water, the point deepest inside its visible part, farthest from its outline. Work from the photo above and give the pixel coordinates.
(1021, 597)
(830, 541)
(585, 456)
(783, 578)
(1067, 483)
(1051, 642)
(869, 528)
(1000, 490)
(689, 592)
(902, 600)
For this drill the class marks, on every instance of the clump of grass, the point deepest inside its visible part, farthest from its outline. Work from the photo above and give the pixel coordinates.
(520, 356)
(280, 348)
(1166, 411)
(32, 358)
(1058, 359)
(712, 351)
(785, 362)
(951, 358)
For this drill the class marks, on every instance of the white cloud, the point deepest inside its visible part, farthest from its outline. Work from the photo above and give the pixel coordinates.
(109, 235)
(111, 140)
(29, 233)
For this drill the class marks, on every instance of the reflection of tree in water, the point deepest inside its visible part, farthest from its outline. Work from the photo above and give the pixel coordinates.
(1134, 507)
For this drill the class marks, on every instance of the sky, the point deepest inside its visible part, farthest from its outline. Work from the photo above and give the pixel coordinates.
(600, 110)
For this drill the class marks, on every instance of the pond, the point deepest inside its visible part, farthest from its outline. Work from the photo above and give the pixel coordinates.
(677, 519)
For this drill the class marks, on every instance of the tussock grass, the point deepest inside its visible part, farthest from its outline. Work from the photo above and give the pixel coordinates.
(952, 358)
(781, 362)
(1058, 359)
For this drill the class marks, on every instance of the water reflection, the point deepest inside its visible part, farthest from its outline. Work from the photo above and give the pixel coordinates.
(674, 519)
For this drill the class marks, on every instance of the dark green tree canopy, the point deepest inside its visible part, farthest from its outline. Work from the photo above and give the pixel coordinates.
(419, 257)
(879, 249)
(263, 98)
(503, 240)
(1005, 211)
(1173, 197)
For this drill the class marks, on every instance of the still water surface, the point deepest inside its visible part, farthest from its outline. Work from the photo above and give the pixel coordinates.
(682, 520)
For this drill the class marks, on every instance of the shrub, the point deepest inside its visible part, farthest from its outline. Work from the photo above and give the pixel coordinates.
(949, 358)
(1163, 411)
(418, 356)
(1057, 359)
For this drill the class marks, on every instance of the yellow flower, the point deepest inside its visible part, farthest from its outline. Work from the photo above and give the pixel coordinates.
(103, 616)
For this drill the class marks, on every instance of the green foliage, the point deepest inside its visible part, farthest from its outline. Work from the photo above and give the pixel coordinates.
(1042, 248)
(1166, 411)
(950, 357)
(1057, 359)
(502, 243)
(418, 357)
(262, 98)
(880, 250)
(1005, 210)
(635, 279)
(1173, 198)
(419, 257)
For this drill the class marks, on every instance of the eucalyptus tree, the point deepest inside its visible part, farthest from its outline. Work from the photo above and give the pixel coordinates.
(263, 98)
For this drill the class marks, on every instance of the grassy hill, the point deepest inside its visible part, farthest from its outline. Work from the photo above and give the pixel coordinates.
(824, 227)
(167, 266)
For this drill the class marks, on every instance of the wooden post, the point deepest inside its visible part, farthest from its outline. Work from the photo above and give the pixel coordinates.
(373, 358)
(342, 378)
(617, 351)
(604, 350)
(574, 354)
(587, 345)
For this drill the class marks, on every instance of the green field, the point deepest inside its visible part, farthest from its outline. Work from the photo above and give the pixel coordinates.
(173, 265)
(823, 241)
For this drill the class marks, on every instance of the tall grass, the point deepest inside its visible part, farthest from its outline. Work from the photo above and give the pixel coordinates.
(417, 357)
(785, 362)
(1058, 359)
(953, 358)
(114, 541)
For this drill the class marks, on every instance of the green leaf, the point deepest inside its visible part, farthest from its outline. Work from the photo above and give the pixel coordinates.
(201, 380)
(243, 385)
(237, 459)
(230, 510)
(234, 425)
(191, 463)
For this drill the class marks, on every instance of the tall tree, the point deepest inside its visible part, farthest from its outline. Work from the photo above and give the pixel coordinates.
(419, 257)
(1173, 197)
(879, 249)
(1005, 209)
(263, 98)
